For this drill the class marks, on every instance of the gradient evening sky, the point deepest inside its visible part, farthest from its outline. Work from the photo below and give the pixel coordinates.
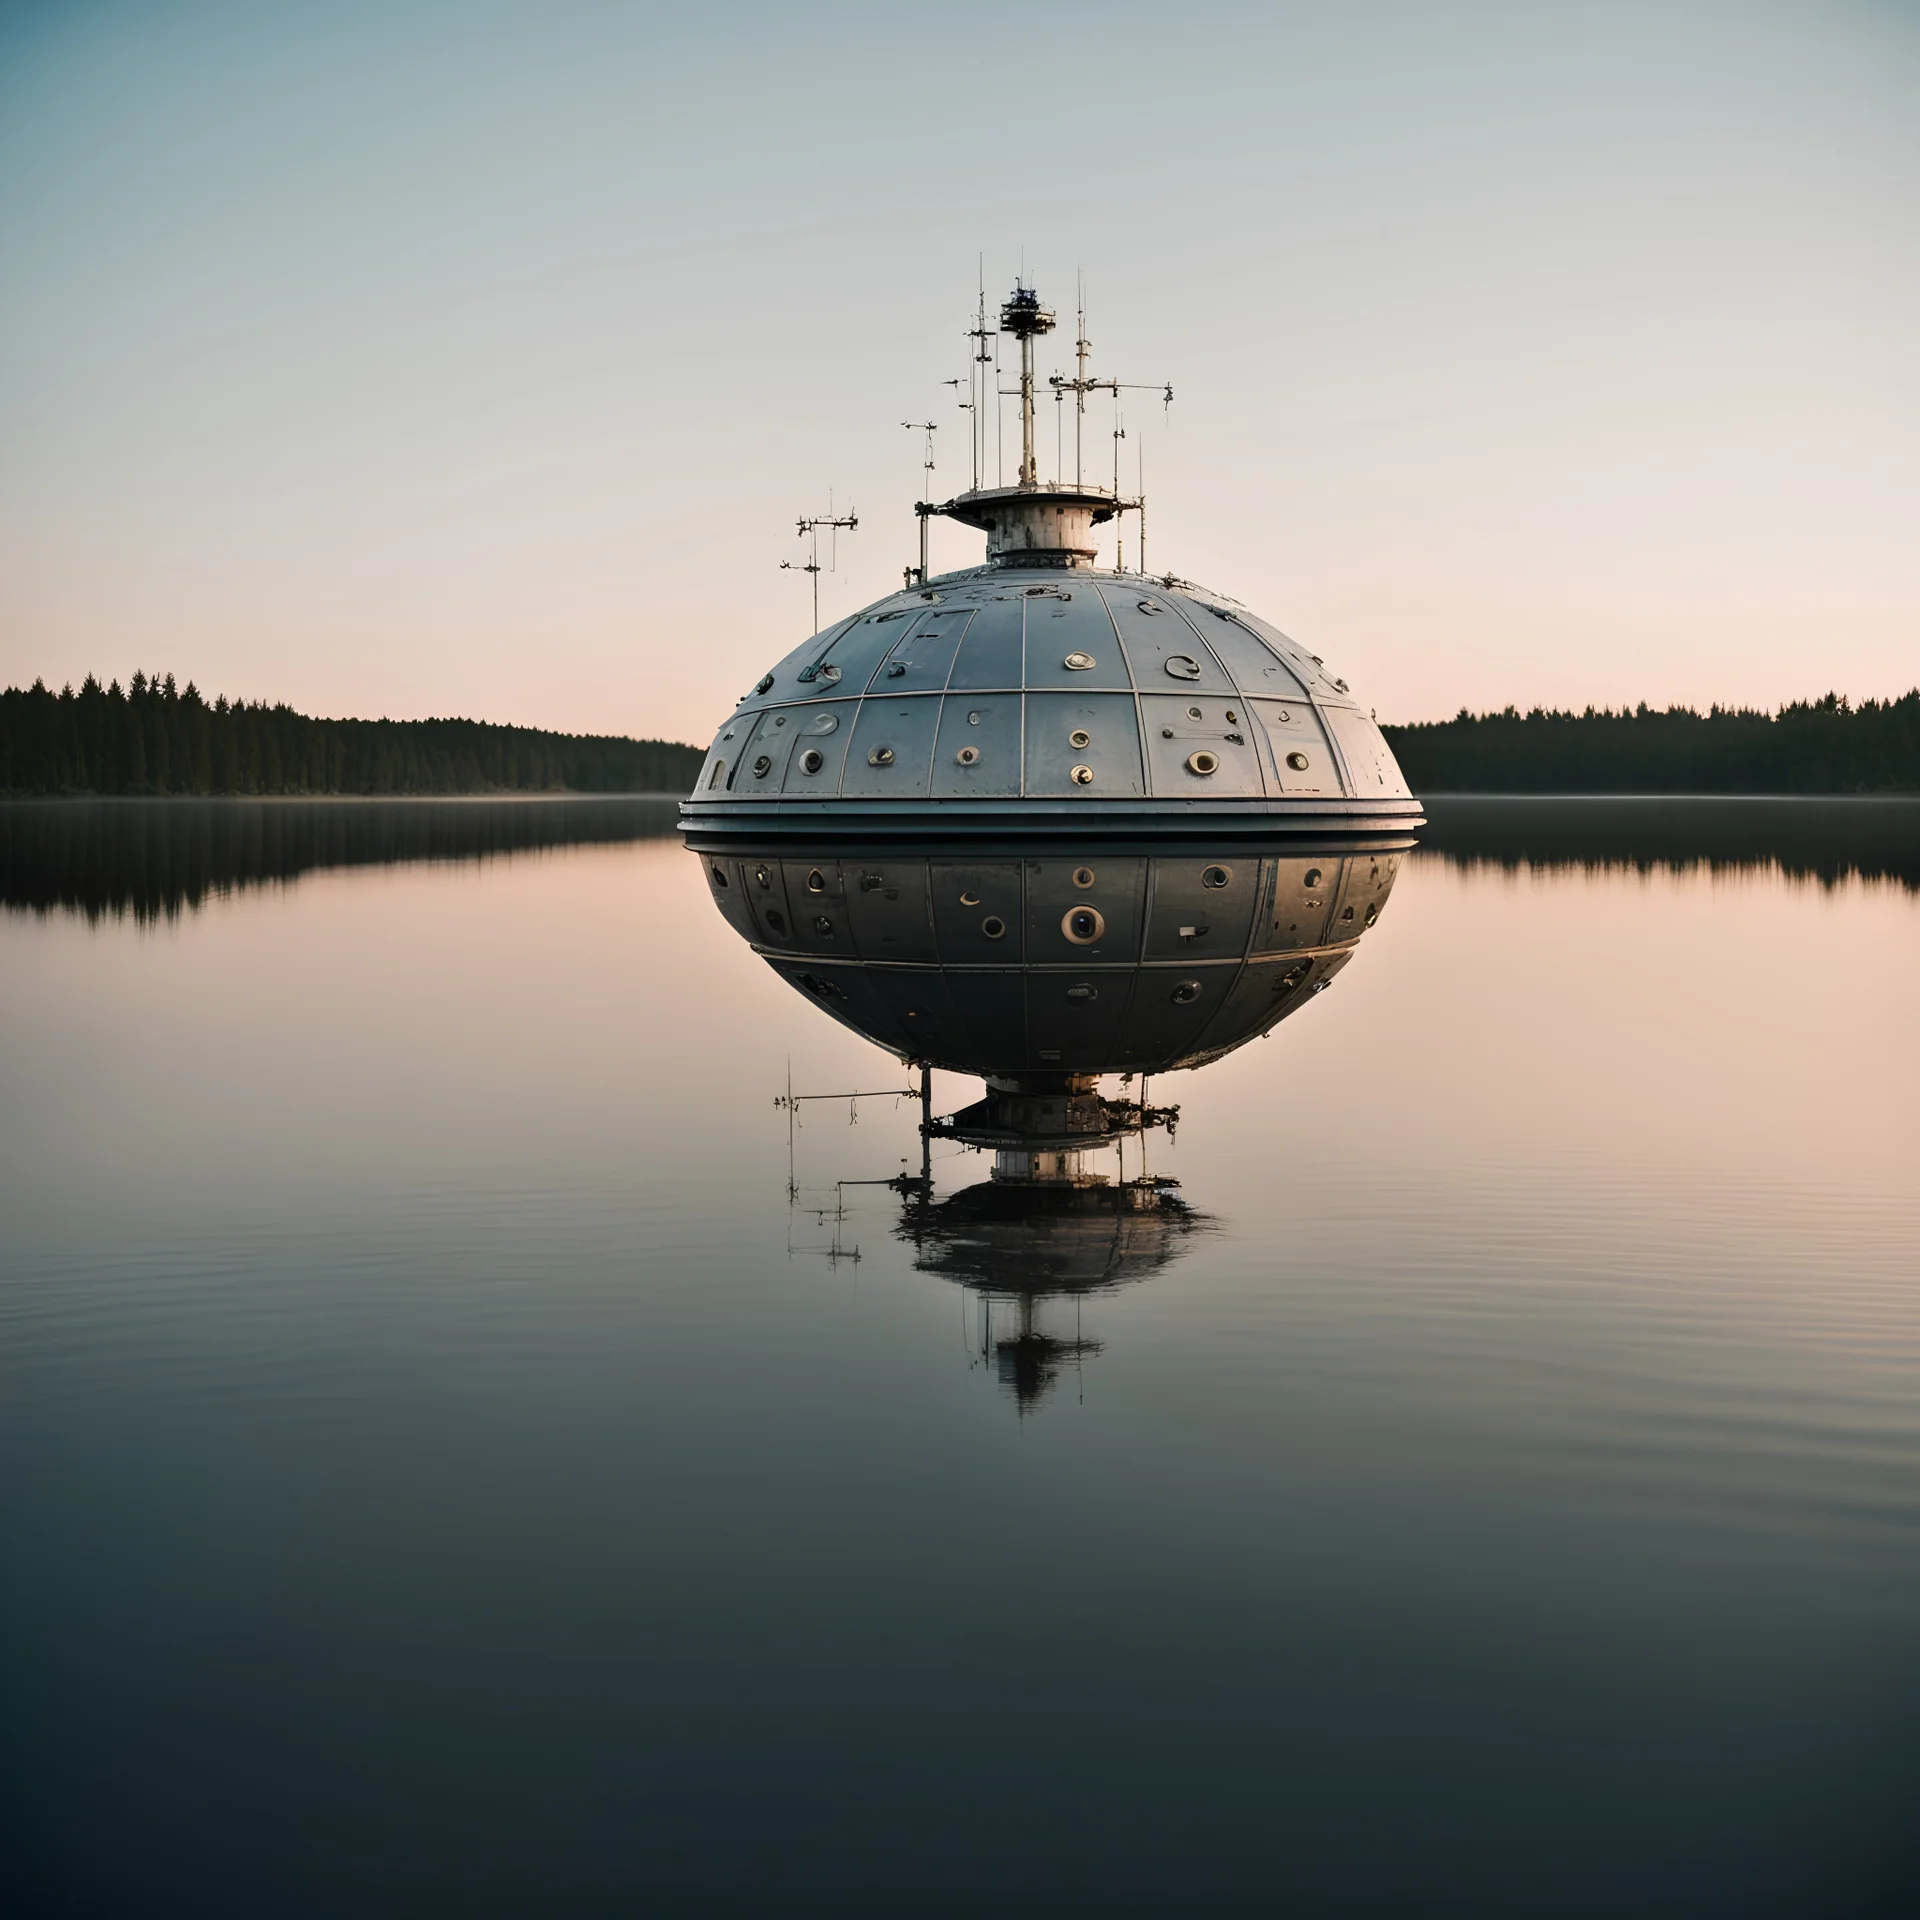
(469, 358)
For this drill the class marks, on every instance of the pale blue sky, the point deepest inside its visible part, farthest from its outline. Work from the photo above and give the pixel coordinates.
(477, 359)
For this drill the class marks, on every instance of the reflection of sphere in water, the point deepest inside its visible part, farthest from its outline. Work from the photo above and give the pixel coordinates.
(1014, 965)
(1020, 694)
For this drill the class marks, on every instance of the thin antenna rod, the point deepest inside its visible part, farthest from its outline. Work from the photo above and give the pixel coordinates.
(926, 489)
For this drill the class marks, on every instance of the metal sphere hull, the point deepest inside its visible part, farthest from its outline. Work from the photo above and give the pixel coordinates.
(1018, 700)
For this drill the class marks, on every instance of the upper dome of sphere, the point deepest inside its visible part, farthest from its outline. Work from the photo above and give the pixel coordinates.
(1019, 693)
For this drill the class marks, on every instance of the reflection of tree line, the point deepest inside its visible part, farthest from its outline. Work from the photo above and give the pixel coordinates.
(1817, 746)
(156, 738)
(1828, 840)
(153, 858)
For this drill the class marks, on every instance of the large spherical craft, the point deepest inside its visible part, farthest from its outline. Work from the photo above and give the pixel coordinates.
(1039, 693)
(1040, 821)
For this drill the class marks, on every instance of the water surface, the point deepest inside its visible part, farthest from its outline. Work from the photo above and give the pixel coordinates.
(457, 1454)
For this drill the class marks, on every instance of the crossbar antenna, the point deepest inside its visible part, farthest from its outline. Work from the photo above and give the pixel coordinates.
(810, 531)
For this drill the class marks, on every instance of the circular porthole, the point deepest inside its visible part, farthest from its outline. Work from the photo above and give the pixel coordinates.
(1082, 776)
(973, 719)
(1083, 876)
(967, 756)
(762, 767)
(1233, 719)
(1217, 877)
(1298, 762)
(1312, 877)
(1079, 662)
(969, 898)
(1183, 666)
(1203, 763)
(993, 926)
(1083, 925)
(816, 881)
(1194, 713)
(1079, 737)
(880, 757)
(811, 761)
(1186, 993)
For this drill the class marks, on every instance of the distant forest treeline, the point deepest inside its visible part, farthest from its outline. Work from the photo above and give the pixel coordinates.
(1816, 746)
(156, 738)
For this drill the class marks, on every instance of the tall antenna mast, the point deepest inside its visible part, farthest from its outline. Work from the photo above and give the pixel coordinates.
(810, 530)
(1026, 319)
(977, 365)
(1081, 348)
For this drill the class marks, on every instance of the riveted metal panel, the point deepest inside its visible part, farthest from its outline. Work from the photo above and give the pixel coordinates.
(1202, 909)
(921, 659)
(1293, 730)
(1075, 1019)
(988, 725)
(763, 884)
(994, 1007)
(1264, 994)
(1371, 768)
(1363, 894)
(1111, 886)
(849, 663)
(1256, 667)
(991, 649)
(849, 995)
(724, 882)
(889, 910)
(816, 895)
(1171, 1008)
(1160, 645)
(1179, 727)
(722, 754)
(1311, 671)
(1070, 622)
(1111, 753)
(761, 764)
(1299, 898)
(970, 901)
(784, 680)
(825, 729)
(901, 728)
(924, 1013)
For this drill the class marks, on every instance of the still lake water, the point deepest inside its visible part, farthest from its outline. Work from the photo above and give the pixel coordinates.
(445, 1468)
